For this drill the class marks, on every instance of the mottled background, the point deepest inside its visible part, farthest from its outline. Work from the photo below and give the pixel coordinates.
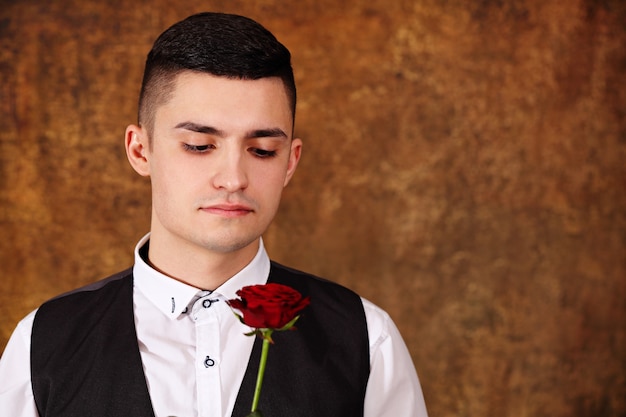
(464, 168)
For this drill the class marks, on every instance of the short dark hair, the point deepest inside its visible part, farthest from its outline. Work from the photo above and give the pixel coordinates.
(219, 44)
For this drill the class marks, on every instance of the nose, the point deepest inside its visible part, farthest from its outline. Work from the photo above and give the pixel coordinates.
(230, 174)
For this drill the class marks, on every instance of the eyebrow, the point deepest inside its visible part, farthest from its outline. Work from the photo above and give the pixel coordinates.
(210, 130)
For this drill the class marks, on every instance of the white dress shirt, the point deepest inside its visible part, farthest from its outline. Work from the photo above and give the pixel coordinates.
(195, 354)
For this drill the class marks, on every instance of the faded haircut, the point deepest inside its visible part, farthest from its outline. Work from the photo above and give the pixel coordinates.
(219, 44)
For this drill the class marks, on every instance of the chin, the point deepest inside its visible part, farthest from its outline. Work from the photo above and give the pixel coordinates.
(226, 246)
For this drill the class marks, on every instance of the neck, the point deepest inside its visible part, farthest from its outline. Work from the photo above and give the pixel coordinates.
(198, 266)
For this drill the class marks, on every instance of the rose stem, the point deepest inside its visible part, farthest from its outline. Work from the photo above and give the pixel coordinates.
(259, 377)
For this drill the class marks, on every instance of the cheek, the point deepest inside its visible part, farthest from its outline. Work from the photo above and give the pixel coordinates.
(271, 175)
(269, 186)
(170, 182)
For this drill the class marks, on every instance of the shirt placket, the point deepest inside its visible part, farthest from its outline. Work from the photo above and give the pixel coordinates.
(208, 357)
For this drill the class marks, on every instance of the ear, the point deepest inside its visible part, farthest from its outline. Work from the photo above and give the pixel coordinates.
(294, 158)
(137, 149)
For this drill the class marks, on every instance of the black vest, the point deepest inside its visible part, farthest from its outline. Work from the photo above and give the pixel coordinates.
(85, 357)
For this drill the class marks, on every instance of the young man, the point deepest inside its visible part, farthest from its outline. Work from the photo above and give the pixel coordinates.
(215, 136)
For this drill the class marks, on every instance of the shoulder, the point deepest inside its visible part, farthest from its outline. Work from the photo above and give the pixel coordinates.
(66, 305)
(21, 334)
(83, 299)
(331, 303)
(74, 315)
(339, 299)
(116, 280)
(307, 283)
(379, 324)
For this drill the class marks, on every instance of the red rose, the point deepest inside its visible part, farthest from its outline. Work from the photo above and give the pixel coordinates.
(269, 306)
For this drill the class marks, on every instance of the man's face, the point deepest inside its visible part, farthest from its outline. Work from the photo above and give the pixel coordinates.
(222, 151)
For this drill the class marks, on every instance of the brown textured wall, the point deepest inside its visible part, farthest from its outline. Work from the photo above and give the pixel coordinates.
(464, 168)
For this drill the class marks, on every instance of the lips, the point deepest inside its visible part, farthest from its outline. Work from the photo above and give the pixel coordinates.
(228, 210)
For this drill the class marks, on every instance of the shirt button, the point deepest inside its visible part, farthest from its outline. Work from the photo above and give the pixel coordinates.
(208, 362)
(207, 303)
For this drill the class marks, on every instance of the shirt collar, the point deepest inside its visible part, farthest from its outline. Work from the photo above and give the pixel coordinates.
(172, 297)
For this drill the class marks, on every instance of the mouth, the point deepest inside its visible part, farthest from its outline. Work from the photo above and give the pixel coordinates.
(228, 210)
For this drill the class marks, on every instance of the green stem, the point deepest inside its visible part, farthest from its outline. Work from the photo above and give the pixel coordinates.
(259, 377)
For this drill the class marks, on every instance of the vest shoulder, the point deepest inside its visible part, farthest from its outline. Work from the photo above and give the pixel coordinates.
(306, 282)
(87, 294)
(330, 301)
(81, 310)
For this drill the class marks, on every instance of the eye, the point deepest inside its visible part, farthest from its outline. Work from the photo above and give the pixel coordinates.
(262, 153)
(198, 148)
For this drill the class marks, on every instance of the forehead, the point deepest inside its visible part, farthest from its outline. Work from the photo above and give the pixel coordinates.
(201, 95)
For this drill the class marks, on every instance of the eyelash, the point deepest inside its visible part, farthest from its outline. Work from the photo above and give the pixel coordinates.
(197, 148)
(263, 153)
(258, 152)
